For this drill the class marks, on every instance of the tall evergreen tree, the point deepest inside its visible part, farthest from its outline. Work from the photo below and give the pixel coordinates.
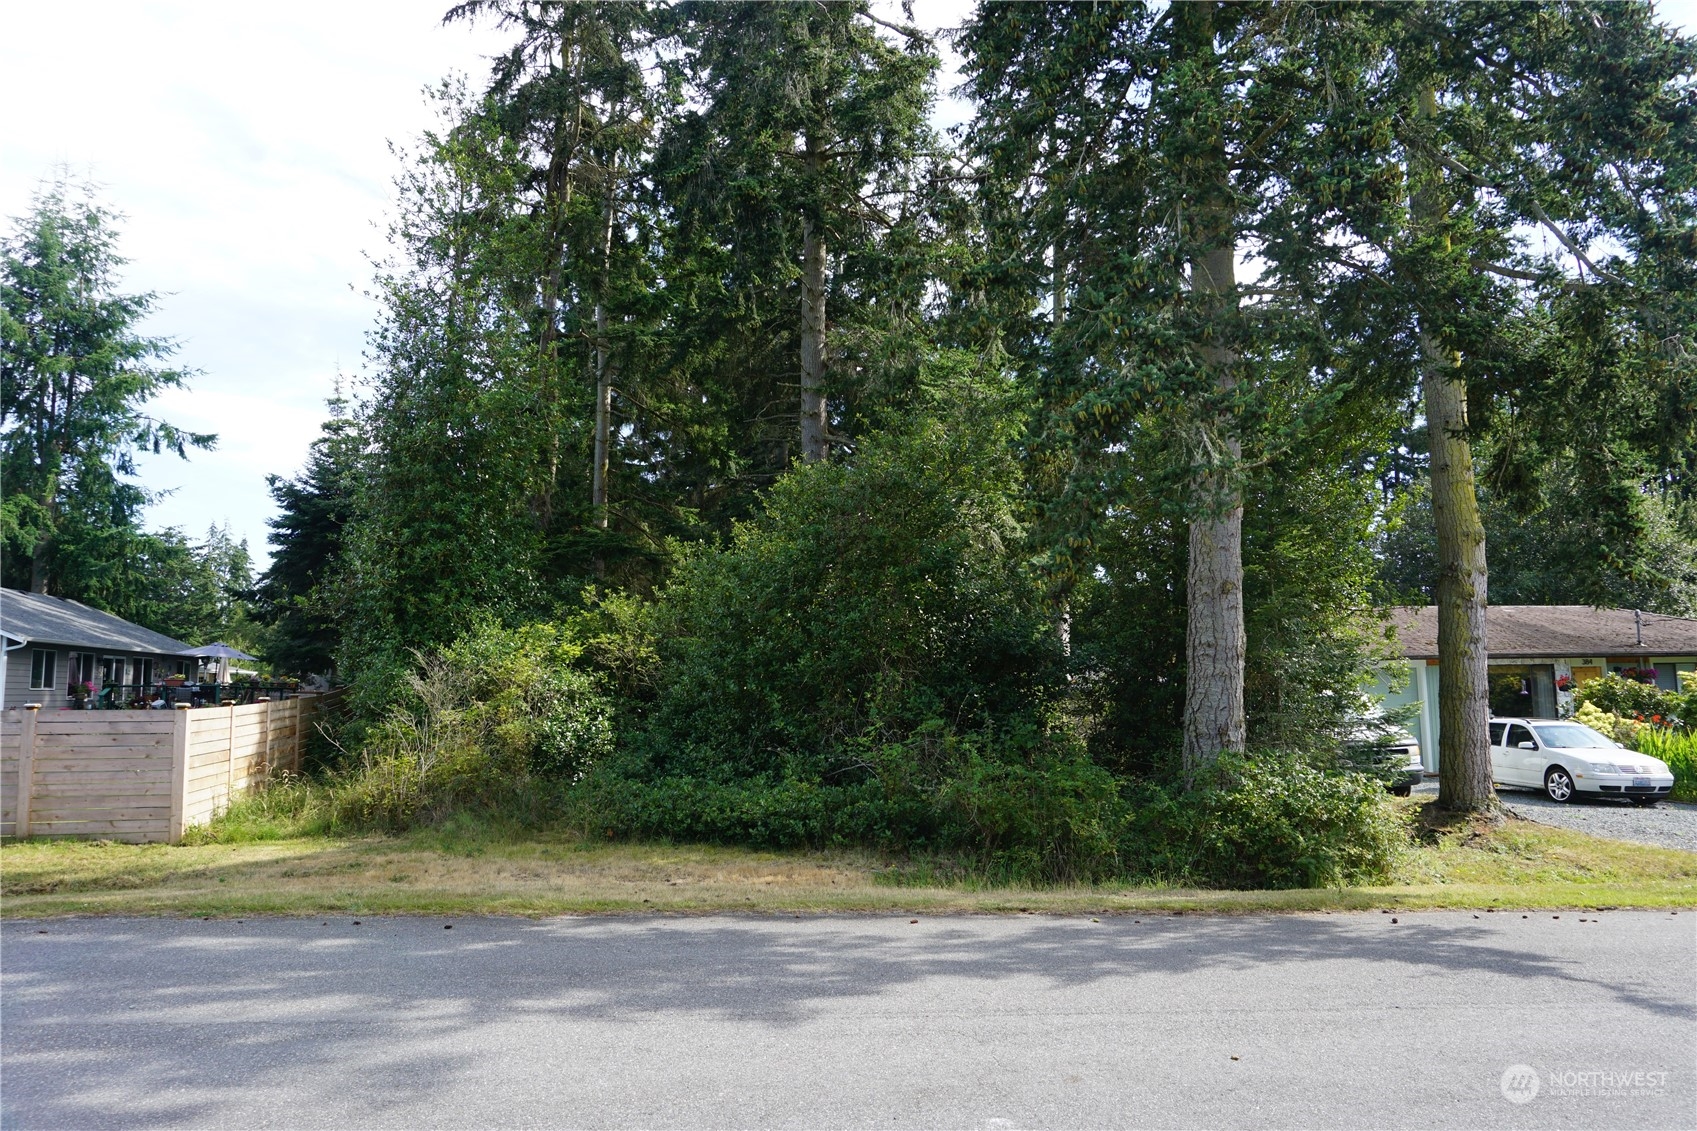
(1132, 155)
(75, 379)
(297, 596)
(808, 140)
(1531, 136)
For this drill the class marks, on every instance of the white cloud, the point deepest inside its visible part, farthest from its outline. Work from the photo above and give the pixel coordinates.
(247, 145)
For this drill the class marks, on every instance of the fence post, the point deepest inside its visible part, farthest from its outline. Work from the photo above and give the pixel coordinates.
(26, 768)
(266, 725)
(179, 773)
(230, 760)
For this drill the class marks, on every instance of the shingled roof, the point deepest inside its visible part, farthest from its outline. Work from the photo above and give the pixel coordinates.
(38, 618)
(1526, 631)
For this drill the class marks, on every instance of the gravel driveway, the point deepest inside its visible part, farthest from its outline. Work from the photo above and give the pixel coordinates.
(1670, 824)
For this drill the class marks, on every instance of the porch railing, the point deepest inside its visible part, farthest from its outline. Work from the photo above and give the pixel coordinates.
(140, 696)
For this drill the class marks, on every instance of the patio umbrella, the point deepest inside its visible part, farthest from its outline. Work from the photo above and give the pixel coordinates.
(223, 653)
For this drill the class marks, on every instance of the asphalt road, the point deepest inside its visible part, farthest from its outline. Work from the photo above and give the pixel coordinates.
(1310, 1021)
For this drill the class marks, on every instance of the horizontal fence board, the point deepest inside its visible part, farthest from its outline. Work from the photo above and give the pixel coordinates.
(93, 722)
(104, 756)
(58, 808)
(63, 816)
(116, 736)
(107, 737)
(47, 780)
(49, 791)
(113, 830)
(63, 813)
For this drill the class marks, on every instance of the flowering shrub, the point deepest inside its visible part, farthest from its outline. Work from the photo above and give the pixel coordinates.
(1646, 703)
(1622, 730)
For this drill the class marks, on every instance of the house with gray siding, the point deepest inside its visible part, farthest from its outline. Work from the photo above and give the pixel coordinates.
(51, 642)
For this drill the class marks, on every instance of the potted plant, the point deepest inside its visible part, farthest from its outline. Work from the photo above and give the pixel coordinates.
(80, 690)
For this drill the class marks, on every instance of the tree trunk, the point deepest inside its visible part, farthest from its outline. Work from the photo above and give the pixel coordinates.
(1464, 702)
(1464, 753)
(814, 446)
(1215, 641)
(603, 384)
(38, 567)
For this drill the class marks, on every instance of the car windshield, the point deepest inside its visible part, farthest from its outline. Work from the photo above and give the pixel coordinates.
(1571, 736)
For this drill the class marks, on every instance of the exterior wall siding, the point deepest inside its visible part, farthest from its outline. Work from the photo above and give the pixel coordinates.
(18, 670)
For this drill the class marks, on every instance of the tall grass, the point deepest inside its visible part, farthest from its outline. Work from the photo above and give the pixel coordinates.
(1679, 750)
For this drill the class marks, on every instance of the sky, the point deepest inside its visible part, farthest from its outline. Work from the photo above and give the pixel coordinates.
(248, 146)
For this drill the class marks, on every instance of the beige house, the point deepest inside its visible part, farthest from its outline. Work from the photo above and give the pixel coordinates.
(1538, 654)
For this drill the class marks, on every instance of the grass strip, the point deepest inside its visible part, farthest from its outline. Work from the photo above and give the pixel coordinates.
(1514, 865)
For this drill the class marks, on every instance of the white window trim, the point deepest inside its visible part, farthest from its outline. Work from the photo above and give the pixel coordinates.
(51, 668)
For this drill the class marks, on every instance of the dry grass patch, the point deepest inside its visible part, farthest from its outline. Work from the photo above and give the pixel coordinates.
(1512, 864)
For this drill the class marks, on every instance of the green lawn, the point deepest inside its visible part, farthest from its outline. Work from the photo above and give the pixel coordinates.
(1514, 865)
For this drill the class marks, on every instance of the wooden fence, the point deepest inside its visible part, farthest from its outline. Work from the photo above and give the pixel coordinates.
(140, 775)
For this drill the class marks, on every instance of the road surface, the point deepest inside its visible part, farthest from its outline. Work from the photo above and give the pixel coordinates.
(1312, 1021)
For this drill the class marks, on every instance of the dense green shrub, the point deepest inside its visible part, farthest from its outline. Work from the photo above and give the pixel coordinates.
(1053, 817)
(1018, 815)
(759, 814)
(1621, 729)
(477, 725)
(874, 595)
(1266, 821)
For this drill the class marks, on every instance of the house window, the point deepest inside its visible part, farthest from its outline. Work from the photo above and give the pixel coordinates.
(146, 672)
(111, 670)
(83, 667)
(43, 663)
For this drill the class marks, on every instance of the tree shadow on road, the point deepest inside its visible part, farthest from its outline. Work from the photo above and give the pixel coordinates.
(169, 1016)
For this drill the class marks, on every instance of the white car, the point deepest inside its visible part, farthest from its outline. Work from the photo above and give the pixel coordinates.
(1413, 770)
(1565, 759)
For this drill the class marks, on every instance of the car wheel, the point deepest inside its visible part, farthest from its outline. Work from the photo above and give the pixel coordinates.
(1646, 802)
(1558, 785)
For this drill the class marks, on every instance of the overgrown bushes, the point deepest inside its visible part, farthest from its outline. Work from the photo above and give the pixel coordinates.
(1650, 720)
(1271, 821)
(869, 662)
(872, 598)
(479, 725)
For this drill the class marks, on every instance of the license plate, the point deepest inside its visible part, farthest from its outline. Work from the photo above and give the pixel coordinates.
(1640, 782)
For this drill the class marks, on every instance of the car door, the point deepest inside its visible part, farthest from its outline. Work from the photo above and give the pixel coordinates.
(1525, 767)
(1499, 764)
